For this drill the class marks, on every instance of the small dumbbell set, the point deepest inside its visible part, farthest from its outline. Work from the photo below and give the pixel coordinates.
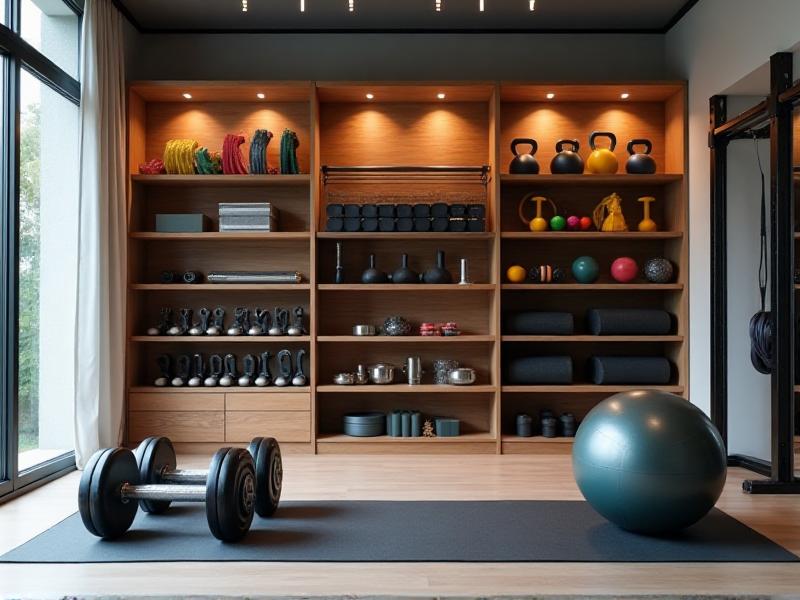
(196, 371)
(547, 425)
(257, 322)
(436, 217)
(238, 483)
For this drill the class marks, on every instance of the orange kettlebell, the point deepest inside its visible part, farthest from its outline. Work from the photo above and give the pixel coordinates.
(602, 161)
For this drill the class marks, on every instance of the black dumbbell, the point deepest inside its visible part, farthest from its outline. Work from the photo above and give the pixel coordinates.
(110, 491)
(157, 464)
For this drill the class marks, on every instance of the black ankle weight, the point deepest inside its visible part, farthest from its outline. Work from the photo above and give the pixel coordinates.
(630, 370)
(539, 323)
(536, 370)
(628, 321)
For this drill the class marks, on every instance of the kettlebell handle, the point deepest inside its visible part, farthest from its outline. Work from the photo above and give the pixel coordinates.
(648, 145)
(608, 134)
(574, 143)
(531, 142)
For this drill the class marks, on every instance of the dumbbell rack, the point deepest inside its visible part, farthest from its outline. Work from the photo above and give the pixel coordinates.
(405, 124)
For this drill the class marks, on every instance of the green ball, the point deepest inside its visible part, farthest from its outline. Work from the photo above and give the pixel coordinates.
(585, 269)
(558, 223)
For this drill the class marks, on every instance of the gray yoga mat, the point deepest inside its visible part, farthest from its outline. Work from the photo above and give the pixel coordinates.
(502, 531)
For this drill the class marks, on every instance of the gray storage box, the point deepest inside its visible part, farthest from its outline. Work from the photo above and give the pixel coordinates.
(247, 216)
(182, 223)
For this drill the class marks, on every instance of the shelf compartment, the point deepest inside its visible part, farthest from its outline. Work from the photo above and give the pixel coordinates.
(468, 443)
(593, 287)
(218, 287)
(591, 235)
(405, 339)
(219, 236)
(587, 179)
(403, 388)
(151, 389)
(411, 287)
(448, 236)
(220, 339)
(341, 438)
(586, 388)
(300, 180)
(537, 445)
(592, 339)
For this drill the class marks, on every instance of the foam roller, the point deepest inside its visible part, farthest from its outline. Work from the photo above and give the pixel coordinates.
(628, 321)
(539, 323)
(540, 370)
(630, 370)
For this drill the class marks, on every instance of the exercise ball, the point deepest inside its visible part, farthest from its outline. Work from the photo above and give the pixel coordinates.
(624, 269)
(585, 269)
(649, 462)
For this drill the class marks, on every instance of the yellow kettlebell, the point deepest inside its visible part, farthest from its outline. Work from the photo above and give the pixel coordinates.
(647, 224)
(602, 161)
(516, 274)
(538, 223)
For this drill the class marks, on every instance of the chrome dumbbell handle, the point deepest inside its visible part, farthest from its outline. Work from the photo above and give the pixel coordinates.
(185, 476)
(162, 492)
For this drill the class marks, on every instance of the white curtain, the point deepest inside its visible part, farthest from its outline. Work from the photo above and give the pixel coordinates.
(100, 318)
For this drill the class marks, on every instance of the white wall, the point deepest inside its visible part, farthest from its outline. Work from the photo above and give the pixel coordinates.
(714, 46)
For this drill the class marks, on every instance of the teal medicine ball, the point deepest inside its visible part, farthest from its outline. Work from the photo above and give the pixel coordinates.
(585, 269)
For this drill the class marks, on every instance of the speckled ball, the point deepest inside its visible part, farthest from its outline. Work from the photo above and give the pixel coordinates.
(396, 326)
(658, 270)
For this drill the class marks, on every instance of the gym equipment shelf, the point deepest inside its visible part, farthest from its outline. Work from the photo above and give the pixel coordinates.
(405, 124)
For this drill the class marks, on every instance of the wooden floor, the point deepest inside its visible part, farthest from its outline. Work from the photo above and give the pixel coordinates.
(404, 478)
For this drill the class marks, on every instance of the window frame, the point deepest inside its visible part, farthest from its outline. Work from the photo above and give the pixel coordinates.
(19, 54)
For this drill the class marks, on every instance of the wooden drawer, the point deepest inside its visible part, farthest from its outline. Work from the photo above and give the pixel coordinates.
(267, 401)
(285, 426)
(167, 401)
(200, 426)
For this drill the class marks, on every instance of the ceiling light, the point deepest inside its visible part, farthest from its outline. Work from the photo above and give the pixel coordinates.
(480, 5)
(370, 95)
(187, 95)
(302, 5)
(624, 95)
(550, 95)
(260, 95)
(440, 96)
(532, 4)
(351, 5)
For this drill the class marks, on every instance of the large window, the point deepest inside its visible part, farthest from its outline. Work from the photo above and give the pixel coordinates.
(39, 158)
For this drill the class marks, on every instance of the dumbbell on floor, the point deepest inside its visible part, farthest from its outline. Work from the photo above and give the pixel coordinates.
(157, 464)
(110, 490)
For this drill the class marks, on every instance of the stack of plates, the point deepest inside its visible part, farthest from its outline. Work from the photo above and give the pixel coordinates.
(366, 424)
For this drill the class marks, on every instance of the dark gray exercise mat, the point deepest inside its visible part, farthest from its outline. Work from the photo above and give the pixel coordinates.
(504, 531)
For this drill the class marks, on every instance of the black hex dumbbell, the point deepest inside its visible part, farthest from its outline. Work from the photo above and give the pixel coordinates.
(157, 464)
(110, 492)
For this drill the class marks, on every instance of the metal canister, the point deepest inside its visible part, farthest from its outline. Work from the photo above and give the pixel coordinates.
(414, 370)
(524, 425)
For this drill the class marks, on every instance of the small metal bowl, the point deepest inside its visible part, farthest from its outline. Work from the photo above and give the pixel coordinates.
(344, 379)
(364, 330)
(461, 376)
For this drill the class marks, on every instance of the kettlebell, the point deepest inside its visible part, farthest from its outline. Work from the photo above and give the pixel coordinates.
(373, 274)
(567, 162)
(602, 160)
(640, 163)
(524, 164)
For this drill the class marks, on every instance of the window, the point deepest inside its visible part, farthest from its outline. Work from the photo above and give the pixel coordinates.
(53, 28)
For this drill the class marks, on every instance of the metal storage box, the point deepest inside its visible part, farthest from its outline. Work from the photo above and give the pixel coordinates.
(247, 216)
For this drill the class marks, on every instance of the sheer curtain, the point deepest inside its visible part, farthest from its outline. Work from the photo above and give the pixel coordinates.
(100, 315)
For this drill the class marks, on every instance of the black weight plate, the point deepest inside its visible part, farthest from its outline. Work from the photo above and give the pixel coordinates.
(230, 494)
(153, 456)
(103, 510)
(266, 454)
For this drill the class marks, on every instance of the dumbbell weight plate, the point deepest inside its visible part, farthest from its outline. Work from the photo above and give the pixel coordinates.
(154, 455)
(230, 494)
(102, 509)
(266, 455)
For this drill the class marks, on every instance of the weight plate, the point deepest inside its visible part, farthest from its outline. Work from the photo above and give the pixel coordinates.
(266, 455)
(103, 511)
(230, 494)
(153, 456)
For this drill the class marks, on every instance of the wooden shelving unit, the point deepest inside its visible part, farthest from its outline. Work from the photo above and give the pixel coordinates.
(405, 124)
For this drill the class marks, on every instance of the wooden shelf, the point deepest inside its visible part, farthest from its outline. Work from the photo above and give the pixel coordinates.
(223, 180)
(221, 236)
(220, 339)
(405, 339)
(592, 235)
(340, 438)
(537, 439)
(594, 287)
(220, 287)
(593, 339)
(619, 180)
(412, 287)
(403, 388)
(152, 389)
(411, 235)
(585, 388)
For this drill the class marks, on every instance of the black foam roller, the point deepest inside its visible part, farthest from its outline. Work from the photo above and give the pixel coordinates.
(334, 224)
(628, 321)
(422, 224)
(539, 370)
(630, 370)
(352, 211)
(335, 210)
(369, 211)
(476, 225)
(539, 323)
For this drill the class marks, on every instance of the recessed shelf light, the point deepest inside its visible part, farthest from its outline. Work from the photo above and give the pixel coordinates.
(302, 5)
(480, 5)
(441, 96)
(187, 95)
(370, 95)
(550, 95)
(624, 95)
(438, 5)
(244, 5)
(532, 5)
(260, 95)
(351, 5)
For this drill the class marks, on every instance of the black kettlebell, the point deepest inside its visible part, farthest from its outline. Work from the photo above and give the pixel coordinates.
(640, 163)
(567, 162)
(373, 274)
(524, 164)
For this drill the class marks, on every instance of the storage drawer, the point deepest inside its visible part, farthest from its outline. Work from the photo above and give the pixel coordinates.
(258, 401)
(284, 426)
(208, 426)
(175, 401)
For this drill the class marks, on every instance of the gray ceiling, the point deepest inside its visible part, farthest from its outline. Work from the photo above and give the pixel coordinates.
(387, 15)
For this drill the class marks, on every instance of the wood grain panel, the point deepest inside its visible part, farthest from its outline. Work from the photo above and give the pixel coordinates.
(403, 92)
(591, 92)
(228, 91)
(267, 401)
(175, 402)
(178, 426)
(284, 426)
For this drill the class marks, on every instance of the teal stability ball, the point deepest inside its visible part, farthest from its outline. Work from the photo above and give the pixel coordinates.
(585, 269)
(649, 461)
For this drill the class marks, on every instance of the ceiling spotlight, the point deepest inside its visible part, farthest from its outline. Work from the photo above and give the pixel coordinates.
(480, 5)
(370, 95)
(532, 5)
(624, 95)
(438, 5)
(260, 95)
(351, 5)
(440, 96)
(302, 5)
(550, 95)
(187, 95)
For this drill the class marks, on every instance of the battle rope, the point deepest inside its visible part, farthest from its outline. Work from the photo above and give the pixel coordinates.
(179, 157)
(289, 145)
(232, 162)
(208, 163)
(258, 152)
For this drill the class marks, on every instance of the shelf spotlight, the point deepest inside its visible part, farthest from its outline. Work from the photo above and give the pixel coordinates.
(302, 5)
(438, 5)
(532, 5)
(441, 96)
(244, 5)
(550, 95)
(624, 95)
(370, 95)
(351, 5)
(187, 95)
(260, 95)
(480, 5)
